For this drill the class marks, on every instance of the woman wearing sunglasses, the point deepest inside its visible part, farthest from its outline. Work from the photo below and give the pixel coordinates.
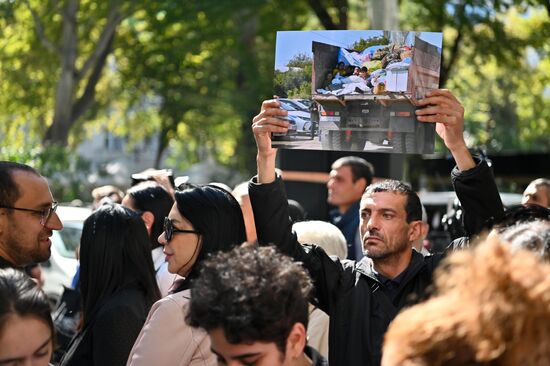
(203, 220)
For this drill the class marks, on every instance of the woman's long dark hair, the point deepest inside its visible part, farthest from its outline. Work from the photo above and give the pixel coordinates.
(216, 215)
(114, 252)
(152, 197)
(20, 295)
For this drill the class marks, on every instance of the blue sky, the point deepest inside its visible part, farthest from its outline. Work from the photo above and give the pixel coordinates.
(291, 43)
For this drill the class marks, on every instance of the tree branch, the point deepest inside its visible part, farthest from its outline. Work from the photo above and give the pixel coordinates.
(547, 6)
(104, 42)
(342, 7)
(322, 14)
(49, 45)
(88, 96)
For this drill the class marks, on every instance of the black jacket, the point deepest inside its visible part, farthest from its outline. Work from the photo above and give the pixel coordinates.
(348, 291)
(110, 335)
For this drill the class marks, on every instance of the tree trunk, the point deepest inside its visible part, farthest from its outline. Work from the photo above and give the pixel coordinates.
(68, 108)
(384, 14)
(58, 132)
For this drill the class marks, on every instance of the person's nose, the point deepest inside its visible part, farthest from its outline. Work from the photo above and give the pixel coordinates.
(162, 239)
(372, 223)
(54, 222)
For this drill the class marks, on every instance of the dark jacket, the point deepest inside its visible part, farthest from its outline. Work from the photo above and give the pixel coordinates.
(348, 223)
(315, 357)
(349, 292)
(110, 335)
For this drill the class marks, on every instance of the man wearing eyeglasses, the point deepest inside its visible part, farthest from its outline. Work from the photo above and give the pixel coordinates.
(27, 216)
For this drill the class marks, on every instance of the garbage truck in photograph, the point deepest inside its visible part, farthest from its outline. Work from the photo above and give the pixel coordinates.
(362, 120)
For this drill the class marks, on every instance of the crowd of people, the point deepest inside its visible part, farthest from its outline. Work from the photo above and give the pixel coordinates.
(202, 275)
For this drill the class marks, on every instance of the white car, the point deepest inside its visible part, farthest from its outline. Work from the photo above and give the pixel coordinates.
(296, 103)
(59, 270)
(292, 109)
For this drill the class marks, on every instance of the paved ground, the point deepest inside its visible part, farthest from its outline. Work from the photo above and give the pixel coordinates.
(306, 143)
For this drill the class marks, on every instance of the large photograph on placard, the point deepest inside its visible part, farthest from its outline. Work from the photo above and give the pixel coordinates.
(356, 90)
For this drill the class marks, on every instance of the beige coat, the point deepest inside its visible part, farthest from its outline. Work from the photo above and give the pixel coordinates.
(166, 340)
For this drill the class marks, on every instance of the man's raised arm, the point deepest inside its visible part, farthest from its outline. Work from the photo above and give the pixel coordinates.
(474, 183)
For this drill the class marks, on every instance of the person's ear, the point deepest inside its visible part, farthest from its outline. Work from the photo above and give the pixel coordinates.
(296, 341)
(417, 230)
(361, 184)
(149, 219)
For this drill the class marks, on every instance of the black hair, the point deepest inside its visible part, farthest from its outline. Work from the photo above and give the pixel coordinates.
(114, 253)
(521, 213)
(9, 192)
(296, 211)
(360, 168)
(151, 196)
(413, 207)
(20, 295)
(253, 294)
(216, 215)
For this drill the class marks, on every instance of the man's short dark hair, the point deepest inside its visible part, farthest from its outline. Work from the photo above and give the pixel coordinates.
(413, 207)
(360, 168)
(9, 192)
(253, 294)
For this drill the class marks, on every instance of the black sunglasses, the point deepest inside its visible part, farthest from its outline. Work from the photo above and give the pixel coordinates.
(44, 213)
(169, 230)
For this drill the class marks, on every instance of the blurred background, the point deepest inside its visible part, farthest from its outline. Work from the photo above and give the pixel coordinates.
(93, 91)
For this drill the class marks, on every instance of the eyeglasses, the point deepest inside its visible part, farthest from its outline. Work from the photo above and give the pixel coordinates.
(45, 213)
(169, 230)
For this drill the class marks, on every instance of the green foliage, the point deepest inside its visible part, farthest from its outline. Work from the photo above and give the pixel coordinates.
(192, 74)
(65, 170)
(362, 44)
(498, 64)
(296, 81)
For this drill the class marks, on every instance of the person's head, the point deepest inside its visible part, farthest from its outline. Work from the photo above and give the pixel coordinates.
(491, 308)
(153, 202)
(538, 193)
(341, 65)
(296, 211)
(530, 235)
(364, 72)
(114, 251)
(348, 178)
(203, 220)
(390, 219)
(27, 215)
(240, 192)
(26, 327)
(323, 234)
(253, 302)
(356, 70)
(106, 194)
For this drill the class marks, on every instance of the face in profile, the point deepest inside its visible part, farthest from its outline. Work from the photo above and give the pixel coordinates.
(26, 232)
(342, 190)
(182, 243)
(535, 195)
(25, 340)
